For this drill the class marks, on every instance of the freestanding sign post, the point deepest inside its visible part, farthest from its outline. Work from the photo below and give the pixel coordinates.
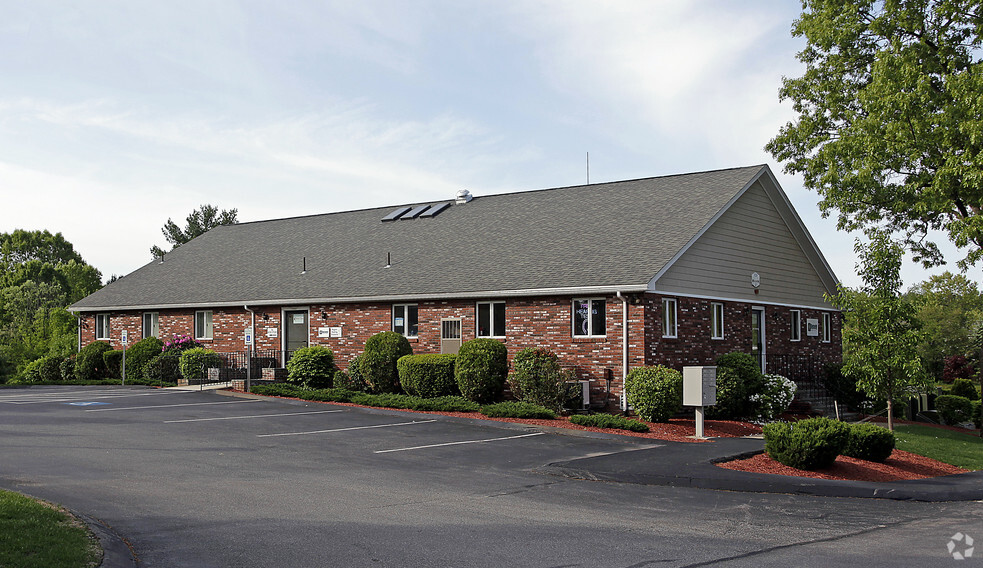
(699, 390)
(126, 340)
(248, 340)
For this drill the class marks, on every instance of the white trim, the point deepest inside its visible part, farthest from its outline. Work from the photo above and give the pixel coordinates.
(754, 301)
(763, 336)
(675, 318)
(143, 324)
(194, 325)
(827, 319)
(406, 323)
(390, 298)
(283, 328)
(573, 309)
(795, 327)
(713, 315)
(491, 318)
(108, 330)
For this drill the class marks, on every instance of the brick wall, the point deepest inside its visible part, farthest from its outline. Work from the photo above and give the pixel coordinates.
(530, 322)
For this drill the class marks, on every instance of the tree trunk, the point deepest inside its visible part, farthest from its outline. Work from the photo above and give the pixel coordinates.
(890, 413)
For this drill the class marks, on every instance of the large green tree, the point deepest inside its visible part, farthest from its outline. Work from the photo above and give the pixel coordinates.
(884, 334)
(950, 308)
(889, 129)
(197, 223)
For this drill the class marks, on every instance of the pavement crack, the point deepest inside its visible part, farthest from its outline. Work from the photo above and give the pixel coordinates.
(524, 489)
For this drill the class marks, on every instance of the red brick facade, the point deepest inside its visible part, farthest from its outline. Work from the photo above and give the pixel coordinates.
(530, 322)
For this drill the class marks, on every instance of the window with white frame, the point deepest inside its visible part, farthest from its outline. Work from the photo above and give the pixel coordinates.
(669, 326)
(102, 326)
(589, 317)
(203, 325)
(717, 321)
(796, 326)
(827, 332)
(405, 321)
(151, 325)
(491, 319)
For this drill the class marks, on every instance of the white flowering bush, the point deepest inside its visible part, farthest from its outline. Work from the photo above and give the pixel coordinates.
(776, 394)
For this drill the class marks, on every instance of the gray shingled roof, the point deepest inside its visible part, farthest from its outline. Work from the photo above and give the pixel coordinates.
(604, 236)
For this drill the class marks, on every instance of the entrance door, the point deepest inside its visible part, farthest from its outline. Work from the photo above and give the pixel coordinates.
(758, 336)
(450, 335)
(295, 332)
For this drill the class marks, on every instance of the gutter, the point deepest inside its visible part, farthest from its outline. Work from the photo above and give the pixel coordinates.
(624, 349)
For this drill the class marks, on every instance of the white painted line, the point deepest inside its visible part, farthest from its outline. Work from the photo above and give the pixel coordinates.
(459, 443)
(170, 405)
(88, 397)
(251, 416)
(344, 429)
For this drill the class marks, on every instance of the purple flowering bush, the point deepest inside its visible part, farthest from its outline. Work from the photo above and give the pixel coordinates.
(178, 344)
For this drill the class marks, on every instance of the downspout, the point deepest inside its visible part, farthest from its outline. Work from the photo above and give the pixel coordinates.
(624, 349)
(251, 348)
(78, 328)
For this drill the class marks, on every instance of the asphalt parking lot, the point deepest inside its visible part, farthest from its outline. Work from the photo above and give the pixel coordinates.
(201, 479)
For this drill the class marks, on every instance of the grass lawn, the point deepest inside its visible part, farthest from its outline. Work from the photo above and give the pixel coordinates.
(34, 534)
(963, 450)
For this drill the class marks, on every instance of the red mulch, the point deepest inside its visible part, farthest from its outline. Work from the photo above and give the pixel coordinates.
(676, 430)
(900, 466)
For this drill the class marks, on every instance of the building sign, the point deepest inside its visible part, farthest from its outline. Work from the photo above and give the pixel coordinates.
(812, 327)
(271, 332)
(329, 332)
(299, 319)
(335, 332)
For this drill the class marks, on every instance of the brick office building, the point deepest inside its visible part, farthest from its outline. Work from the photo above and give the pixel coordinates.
(672, 270)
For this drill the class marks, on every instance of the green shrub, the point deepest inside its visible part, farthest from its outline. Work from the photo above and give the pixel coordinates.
(964, 388)
(311, 367)
(139, 353)
(537, 378)
(162, 369)
(427, 375)
(869, 442)
(351, 379)
(278, 389)
(738, 377)
(807, 444)
(377, 363)
(177, 344)
(480, 369)
(655, 393)
(113, 361)
(66, 369)
(954, 409)
(89, 365)
(609, 421)
(43, 370)
(195, 362)
(512, 409)
(776, 394)
(977, 415)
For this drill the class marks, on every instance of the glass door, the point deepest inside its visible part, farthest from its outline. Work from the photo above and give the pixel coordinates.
(758, 336)
(295, 332)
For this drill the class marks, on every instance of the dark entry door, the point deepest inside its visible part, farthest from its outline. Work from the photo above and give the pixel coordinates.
(758, 336)
(295, 331)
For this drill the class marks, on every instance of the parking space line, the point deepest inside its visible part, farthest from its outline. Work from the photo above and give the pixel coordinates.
(62, 398)
(459, 443)
(344, 429)
(170, 405)
(251, 416)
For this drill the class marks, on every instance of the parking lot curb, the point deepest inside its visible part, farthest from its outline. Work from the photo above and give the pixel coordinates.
(116, 551)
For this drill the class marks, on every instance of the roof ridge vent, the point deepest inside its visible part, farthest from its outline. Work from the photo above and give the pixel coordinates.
(463, 196)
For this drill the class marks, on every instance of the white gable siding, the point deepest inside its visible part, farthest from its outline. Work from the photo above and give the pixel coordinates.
(749, 237)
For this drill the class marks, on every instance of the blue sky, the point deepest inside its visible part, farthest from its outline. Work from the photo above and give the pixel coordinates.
(117, 115)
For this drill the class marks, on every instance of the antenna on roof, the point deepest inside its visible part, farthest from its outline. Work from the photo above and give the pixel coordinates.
(588, 168)
(389, 260)
(304, 271)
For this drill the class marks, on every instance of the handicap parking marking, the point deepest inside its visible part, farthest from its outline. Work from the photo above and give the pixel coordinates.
(345, 429)
(459, 443)
(171, 405)
(86, 403)
(252, 416)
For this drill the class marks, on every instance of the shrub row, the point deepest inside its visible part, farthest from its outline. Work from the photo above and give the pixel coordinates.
(609, 421)
(513, 409)
(815, 443)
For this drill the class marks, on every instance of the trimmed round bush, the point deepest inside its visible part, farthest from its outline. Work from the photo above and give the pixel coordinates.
(195, 362)
(114, 364)
(480, 369)
(66, 369)
(953, 409)
(655, 393)
(311, 367)
(537, 378)
(43, 370)
(89, 365)
(428, 375)
(964, 388)
(869, 442)
(776, 394)
(377, 363)
(807, 444)
(738, 377)
(162, 369)
(139, 353)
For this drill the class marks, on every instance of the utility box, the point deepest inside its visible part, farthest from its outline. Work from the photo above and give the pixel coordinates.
(699, 386)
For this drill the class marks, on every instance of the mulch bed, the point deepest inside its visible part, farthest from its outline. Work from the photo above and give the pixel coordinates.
(900, 466)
